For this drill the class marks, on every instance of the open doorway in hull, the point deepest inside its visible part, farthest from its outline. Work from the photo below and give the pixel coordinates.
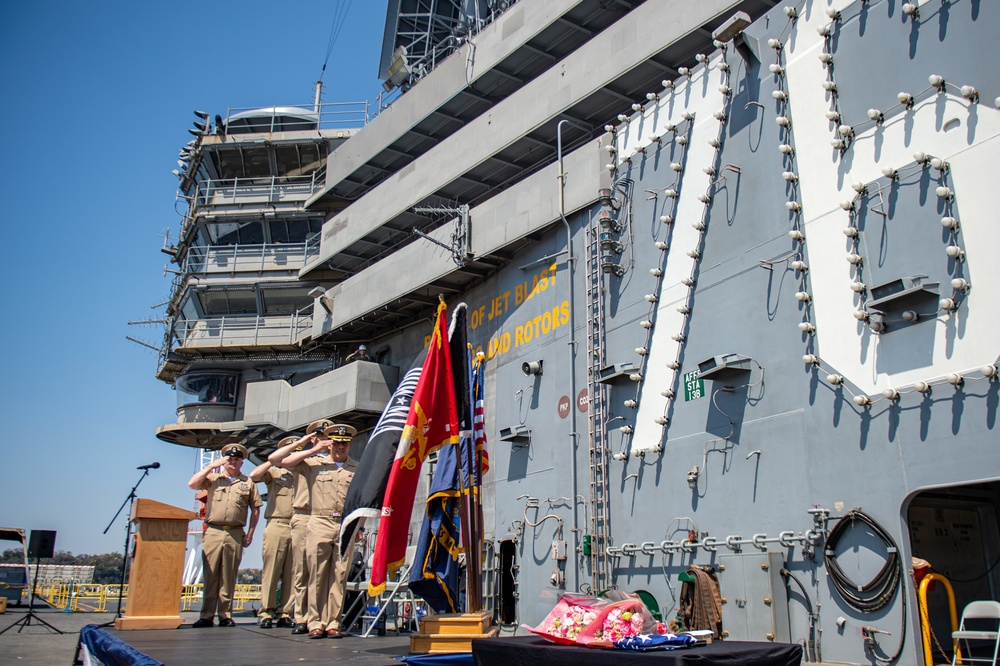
(956, 530)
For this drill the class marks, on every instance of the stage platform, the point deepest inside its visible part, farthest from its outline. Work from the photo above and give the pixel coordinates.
(245, 644)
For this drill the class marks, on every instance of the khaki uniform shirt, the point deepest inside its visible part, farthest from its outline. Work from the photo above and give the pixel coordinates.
(328, 483)
(279, 493)
(300, 484)
(229, 501)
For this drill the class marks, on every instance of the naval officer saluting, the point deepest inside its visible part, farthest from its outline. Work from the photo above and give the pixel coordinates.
(329, 472)
(277, 548)
(231, 495)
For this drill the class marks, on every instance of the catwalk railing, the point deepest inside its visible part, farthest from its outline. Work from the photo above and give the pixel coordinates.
(232, 259)
(273, 189)
(243, 330)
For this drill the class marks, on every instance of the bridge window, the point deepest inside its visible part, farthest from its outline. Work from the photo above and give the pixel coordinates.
(207, 389)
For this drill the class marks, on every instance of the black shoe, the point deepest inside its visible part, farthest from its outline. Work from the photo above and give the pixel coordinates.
(203, 622)
(285, 623)
(228, 622)
(266, 623)
(300, 629)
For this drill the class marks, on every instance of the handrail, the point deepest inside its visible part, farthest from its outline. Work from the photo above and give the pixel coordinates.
(331, 115)
(273, 187)
(239, 329)
(925, 625)
(198, 256)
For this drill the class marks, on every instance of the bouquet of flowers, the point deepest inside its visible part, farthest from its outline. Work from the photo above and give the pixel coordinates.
(569, 618)
(619, 620)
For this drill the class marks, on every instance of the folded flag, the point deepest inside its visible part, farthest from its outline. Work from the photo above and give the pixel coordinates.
(644, 642)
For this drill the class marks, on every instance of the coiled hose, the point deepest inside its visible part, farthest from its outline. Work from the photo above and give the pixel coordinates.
(876, 593)
(879, 591)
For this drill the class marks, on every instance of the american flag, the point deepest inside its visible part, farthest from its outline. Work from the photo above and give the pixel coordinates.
(479, 416)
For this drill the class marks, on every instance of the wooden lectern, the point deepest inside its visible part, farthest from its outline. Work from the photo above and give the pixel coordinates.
(156, 577)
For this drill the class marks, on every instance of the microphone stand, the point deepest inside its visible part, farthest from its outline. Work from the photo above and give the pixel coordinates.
(128, 534)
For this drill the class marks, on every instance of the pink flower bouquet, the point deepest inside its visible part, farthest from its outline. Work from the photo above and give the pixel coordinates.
(565, 623)
(618, 620)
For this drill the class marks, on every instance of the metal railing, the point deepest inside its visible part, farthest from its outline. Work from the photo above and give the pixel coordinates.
(94, 597)
(270, 189)
(241, 258)
(332, 115)
(243, 330)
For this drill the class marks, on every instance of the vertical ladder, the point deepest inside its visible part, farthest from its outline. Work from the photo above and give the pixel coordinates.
(596, 412)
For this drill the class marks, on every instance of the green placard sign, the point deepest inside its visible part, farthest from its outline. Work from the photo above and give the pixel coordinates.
(694, 387)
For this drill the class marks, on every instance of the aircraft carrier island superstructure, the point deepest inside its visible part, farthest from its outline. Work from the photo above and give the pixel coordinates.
(731, 266)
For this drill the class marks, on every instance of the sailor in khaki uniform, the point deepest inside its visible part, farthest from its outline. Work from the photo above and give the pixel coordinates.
(277, 544)
(231, 495)
(329, 472)
(300, 518)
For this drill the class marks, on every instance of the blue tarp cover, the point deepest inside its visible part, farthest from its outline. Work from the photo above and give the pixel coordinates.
(111, 650)
(451, 659)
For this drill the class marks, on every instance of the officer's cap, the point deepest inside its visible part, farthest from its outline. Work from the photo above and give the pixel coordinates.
(341, 432)
(234, 450)
(318, 426)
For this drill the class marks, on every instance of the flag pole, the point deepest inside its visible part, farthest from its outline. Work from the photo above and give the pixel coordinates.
(463, 388)
(473, 557)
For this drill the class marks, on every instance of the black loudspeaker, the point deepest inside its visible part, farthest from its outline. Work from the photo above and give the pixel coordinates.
(42, 544)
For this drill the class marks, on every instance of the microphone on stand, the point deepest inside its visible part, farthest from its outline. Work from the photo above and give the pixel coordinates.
(155, 465)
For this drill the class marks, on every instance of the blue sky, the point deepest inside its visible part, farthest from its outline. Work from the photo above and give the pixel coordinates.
(98, 97)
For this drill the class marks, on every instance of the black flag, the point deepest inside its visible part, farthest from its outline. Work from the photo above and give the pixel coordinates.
(367, 489)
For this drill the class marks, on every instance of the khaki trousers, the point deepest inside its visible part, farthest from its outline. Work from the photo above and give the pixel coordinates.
(329, 573)
(276, 550)
(221, 552)
(300, 569)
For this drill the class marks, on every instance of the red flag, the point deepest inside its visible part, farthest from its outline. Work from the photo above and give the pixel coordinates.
(431, 424)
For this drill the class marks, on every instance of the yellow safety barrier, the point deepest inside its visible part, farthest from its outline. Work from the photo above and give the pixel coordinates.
(189, 595)
(925, 625)
(94, 598)
(89, 598)
(245, 594)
